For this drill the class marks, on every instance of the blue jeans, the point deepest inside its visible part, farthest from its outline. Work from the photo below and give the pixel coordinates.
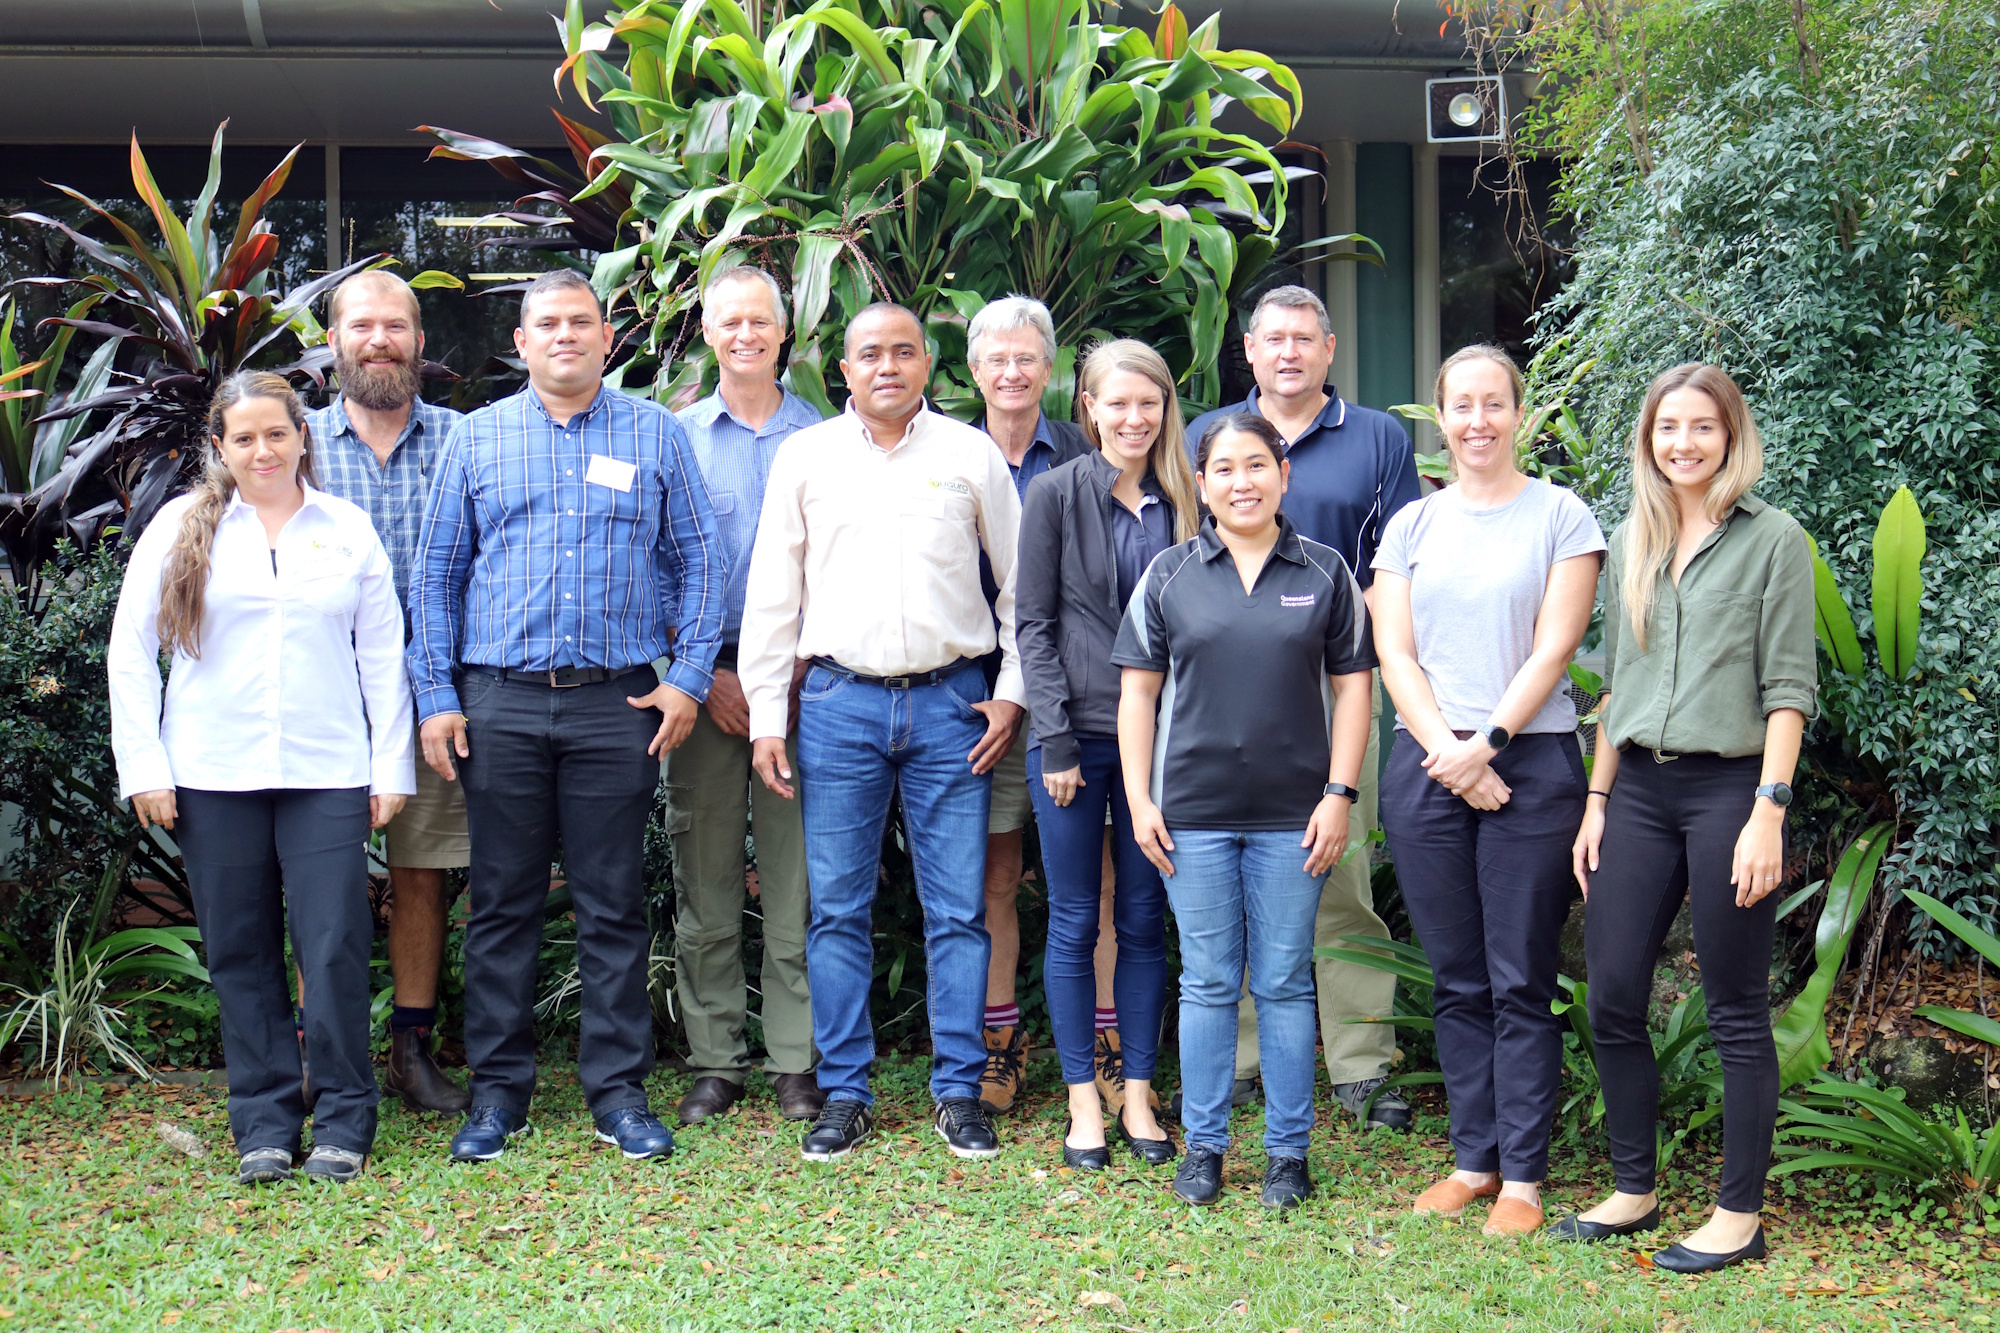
(1232, 893)
(1072, 859)
(859, 742)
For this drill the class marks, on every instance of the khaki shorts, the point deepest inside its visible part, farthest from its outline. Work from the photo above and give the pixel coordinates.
(428, 833)
(1009, 812)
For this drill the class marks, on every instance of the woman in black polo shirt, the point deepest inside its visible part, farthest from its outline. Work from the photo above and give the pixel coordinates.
(1089, 528)
(1242, 720)
(1708, 634)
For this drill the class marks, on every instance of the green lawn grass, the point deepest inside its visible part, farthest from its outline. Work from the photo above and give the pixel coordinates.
(105, 1226)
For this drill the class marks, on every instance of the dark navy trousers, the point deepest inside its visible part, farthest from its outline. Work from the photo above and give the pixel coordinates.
(1488, 891)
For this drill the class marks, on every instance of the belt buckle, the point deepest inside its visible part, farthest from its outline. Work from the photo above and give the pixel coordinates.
(555, 684)
(1664, 757)
(897, 682)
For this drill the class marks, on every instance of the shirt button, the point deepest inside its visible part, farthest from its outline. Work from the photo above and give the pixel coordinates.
(572, 513)
(565, 597)
(569, 472)
(568, 554)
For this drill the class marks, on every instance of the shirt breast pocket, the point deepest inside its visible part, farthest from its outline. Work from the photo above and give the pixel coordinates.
(332, 588)
(1722, 624)
(722, 503)
(939, 527)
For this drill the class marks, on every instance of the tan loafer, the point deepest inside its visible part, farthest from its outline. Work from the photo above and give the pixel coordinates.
(1448, 1197)
(1513, 1217)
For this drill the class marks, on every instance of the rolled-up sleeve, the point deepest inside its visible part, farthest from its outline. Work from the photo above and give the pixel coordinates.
(437, 587)
(1787, 656)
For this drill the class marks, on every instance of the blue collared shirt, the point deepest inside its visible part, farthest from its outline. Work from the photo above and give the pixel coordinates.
(392, 495)
(1038, 458)
(1352, 469)
(580, 544)
(736, 463)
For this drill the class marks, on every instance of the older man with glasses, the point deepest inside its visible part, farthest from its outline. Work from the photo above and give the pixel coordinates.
(1011, 345)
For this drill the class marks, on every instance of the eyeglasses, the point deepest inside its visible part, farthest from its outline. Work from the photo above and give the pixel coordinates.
(1026, 362)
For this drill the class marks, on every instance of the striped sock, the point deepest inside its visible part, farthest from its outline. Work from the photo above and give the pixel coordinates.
(1107, 1020)
(1002, 1016)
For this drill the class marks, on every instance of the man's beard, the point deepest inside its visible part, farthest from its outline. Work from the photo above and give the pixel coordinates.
(377, 388)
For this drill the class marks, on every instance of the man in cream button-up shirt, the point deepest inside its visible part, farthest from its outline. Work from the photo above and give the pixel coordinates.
(866, 565)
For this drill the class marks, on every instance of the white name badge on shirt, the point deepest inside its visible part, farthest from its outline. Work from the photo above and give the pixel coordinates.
(605, 470)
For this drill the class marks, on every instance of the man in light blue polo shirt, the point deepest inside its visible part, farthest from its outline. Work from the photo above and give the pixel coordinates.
(735, 432)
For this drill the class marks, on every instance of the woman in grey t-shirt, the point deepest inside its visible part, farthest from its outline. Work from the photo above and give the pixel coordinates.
(1482, 593)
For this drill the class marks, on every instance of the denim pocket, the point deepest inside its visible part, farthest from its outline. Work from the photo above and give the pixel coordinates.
(820, 684)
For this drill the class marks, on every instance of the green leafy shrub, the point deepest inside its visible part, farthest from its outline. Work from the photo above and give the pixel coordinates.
(1832, 237)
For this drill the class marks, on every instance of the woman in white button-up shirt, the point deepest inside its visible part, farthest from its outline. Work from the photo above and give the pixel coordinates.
(284, 737)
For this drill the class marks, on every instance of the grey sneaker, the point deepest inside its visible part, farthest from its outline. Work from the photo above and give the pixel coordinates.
(263, 1166)
(1390, 1111)
(337, 1164)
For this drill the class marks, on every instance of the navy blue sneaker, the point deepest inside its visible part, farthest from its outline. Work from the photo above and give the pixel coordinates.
(636, 1132)
(485, 1132)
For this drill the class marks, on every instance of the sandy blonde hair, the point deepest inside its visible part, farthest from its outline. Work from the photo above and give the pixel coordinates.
(1168, 456)
(1480, 352)
(1653, 527)
(184, 579)
(380, 280)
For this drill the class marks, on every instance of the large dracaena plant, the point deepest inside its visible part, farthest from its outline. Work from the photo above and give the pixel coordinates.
(937, 155)
(184, 311)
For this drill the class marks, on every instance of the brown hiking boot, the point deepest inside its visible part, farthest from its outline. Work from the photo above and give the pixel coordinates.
(1006, 1051)
(413, 1075)
(1110, 1072)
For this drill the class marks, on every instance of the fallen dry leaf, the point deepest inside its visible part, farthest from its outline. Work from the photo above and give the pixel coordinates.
(1108, 1298)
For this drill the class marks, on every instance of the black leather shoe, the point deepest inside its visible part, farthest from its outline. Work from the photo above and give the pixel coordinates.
(1153, 1152)
(1199, 1180)
(1574, 1228)
(799, 1097)
(1679, 1258)
(843, 1122)
(485, 1132)
(413, 1075)
(710, 1096)
(1084, 1159)
(966, 1128)
(1287, 1183)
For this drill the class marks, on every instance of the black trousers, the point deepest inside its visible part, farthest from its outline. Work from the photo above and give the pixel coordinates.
(254, 859)
(551, 765)
(1488, 891)
(1671, 831)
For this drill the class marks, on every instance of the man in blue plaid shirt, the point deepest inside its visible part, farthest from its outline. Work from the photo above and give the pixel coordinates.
(377, 445)
(568, 542)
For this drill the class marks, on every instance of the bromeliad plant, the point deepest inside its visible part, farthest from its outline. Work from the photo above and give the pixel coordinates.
(181, 313)
(939, 156)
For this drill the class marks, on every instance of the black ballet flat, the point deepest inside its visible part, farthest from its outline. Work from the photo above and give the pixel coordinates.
(1574, 1228)
(1084, 1159)
(1153, 1152)
(1679, 1258)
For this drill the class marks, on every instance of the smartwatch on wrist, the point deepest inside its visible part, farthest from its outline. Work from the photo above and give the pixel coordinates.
(1342, 789)
(1494, 736)
(1778, 793)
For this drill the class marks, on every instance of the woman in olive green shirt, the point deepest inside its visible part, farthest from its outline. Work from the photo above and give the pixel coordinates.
(1709, 680)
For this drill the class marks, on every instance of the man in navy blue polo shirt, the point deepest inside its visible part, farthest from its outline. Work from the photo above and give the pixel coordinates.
(1352, 467)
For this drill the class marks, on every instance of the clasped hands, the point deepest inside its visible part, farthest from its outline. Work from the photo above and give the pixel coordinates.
(1464, 767)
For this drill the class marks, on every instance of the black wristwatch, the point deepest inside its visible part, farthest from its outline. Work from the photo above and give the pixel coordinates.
(1342, 789)
(1779, 793)
(1495, 736)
